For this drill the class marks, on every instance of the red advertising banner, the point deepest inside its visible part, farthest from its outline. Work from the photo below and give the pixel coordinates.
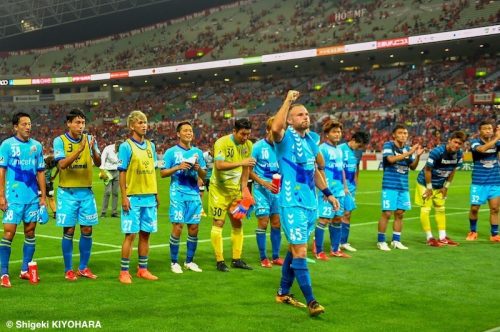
(396, 42)
(119, 74)
(81, 78)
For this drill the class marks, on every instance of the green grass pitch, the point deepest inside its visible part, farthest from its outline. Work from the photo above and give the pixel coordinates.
(422, 289)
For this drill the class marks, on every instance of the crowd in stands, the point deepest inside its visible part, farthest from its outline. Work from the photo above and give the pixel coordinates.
(254, 28)
(431, 100)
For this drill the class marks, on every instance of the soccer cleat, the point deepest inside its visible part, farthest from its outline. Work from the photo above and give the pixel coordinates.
(278, 261)
(471, 236)
(322, 256)
(192, 266)
(398, 245)
(289, 299)
(434, 243)
(222, 267)
(175, 268)
(339, 254)
(6, 281)
(70, 275)
(348, 247)
(495, 238)
(125, 277)
(25, 275)
(266, 263)
(114, 215)
(315, 308)
(449, 242)
(86, 273)
(383, 246)
(239, 264)
(145, 274)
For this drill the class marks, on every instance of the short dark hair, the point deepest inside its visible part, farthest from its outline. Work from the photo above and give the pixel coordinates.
(458, 134)
(75, 113)
(486, 122)
(399, 126)
(242, 124)
(16, 117)
(361, 137)
(331, 124)
(182, 123)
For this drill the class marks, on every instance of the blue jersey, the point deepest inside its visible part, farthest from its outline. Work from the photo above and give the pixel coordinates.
(443, 163)
(297, 161)
(486, 170)
(183, 181)
(266, 163)
(22, 160)
(396, 175)
(334, 168)
(315, 136)
(351, 163)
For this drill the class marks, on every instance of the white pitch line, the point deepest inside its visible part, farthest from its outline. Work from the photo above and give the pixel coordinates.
(76, 240)
(208, 240)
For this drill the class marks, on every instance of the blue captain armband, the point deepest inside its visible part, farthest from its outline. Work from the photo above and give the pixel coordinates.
(327, 192)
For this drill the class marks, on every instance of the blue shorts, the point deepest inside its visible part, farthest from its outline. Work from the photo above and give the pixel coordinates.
(70, 210)
(325, 208)
(16, 213)
(480, 194)
(297, 224)
(266, 203)
(185, 212)
(393, 200)
(139, 218)
(350, 202)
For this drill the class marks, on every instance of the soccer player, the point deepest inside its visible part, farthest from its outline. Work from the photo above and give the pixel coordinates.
(137, 160)
(185, 164)
(398, 159)
(21, 177)
(335, 178)
(109, 173)
(232, 161)
(266, 197)
(485, 178)
(296, 152)
(433, 182)
(75, 153)
(357, 143)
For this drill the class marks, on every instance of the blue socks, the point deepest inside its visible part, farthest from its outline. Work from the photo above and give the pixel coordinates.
(396, 236)
(85, 247)
(5, 249)
(287, 275)
(335, 234)
(319, 236)
(125, 264)
(143, 262)
(494, 230)
(473, 225)
(67, 251)
(28, 252)
(192, 243)
(260, 236)
(276, 241)
(345, 233)
(381, 237)
(174, 248)
(299, 266)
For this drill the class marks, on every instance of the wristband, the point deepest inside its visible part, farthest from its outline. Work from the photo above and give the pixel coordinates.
(327, 192)
(429, 186)
(446, 184)
(321, 168)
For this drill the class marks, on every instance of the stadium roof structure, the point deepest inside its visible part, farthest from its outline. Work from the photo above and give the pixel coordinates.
(31, 23)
